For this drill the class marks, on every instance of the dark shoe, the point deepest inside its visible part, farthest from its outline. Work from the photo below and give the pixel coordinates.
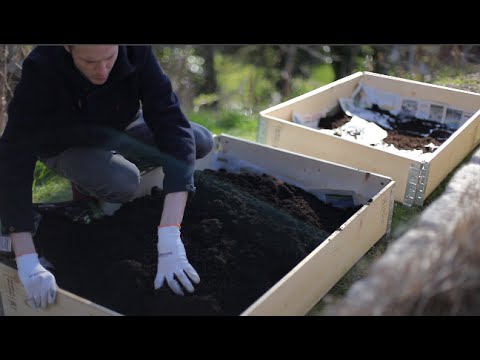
(81, 211)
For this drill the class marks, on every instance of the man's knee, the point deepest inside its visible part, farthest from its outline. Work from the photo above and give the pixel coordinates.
(204, 148)
(203, 140)
(122, 186)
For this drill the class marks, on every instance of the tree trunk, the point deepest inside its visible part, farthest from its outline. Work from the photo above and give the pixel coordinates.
(289, 56)
(345, 64)
(210, 84)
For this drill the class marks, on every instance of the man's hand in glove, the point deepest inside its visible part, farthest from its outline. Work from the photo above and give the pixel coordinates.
(38, 282)
(172, 261)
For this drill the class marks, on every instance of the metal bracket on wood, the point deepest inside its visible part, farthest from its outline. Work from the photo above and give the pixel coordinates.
(390, 213)
(416, 184)
(218, 143)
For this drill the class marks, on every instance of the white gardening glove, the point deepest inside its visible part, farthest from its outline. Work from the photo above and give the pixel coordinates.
(172, 261)
(39, 283)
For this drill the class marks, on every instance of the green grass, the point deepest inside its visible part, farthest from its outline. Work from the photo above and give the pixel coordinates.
(242, 86)
(468, 82)
(56, 190)
(49, 187)
(246, 86)
(228, 122)
(321, 75)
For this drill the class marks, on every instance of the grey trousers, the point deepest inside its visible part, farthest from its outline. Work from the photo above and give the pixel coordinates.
(114, 175)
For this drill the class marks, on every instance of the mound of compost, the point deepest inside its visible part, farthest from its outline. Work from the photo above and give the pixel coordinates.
(242, 233)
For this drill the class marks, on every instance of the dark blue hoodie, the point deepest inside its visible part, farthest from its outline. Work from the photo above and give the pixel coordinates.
(55, 107)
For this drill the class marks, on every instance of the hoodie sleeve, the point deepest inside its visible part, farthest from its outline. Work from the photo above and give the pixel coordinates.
(172, 131)
(17, 155)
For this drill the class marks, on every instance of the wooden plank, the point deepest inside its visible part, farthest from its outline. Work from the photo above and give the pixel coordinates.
(13, 298)
(453, 151)
(310, 142)
(235, 155)
(302, 288)
(323, 98)
(465, 100)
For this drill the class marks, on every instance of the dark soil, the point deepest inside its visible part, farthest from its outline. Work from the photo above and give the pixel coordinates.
(404, 136)
(242, 233)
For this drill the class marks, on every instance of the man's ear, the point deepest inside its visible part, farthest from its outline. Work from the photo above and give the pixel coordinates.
(67, 48)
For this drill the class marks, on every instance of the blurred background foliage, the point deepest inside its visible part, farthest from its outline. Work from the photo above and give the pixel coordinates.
(223, 87)
(249, 78)
(218, 80)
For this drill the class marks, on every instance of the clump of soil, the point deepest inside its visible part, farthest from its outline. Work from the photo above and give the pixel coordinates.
(333, 121)
(242, 233)
(405, 134)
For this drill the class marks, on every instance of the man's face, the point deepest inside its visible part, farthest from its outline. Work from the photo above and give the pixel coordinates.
(95, 61)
